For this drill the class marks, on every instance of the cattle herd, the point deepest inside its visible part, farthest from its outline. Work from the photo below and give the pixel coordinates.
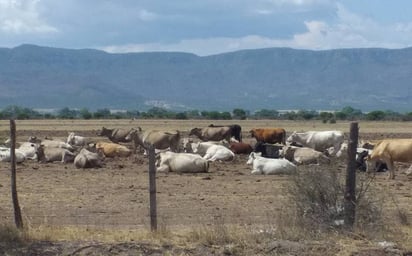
(270, 151)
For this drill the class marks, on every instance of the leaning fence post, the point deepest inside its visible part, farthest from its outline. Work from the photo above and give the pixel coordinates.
(350, 188)
(152, 188)
(17, 212)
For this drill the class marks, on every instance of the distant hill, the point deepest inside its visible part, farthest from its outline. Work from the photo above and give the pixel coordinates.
(273, 78)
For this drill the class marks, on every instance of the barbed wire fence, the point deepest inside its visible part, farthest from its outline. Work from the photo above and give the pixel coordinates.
(64, 205)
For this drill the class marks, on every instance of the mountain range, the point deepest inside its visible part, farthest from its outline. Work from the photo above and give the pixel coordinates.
(273, 78)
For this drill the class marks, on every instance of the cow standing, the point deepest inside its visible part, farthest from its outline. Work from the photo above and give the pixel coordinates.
(318, 140)
(235, 130)
(212, 133)
(390, 151)
(269, 135)
(158, 139)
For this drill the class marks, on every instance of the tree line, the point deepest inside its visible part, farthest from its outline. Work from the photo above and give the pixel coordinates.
(346, 113)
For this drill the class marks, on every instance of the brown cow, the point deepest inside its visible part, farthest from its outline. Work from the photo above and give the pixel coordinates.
(240, 148)
(269, 135)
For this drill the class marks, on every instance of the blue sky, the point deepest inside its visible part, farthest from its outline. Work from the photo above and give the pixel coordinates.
(206, 27)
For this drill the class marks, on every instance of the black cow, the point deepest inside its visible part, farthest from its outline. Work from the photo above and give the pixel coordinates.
(268, 150)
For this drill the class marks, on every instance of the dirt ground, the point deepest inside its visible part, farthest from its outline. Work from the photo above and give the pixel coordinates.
(117, 195)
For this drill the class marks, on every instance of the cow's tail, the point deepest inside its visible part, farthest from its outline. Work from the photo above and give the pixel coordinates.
(284, 137)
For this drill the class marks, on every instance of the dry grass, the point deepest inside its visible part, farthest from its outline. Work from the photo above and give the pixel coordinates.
(186, 125)
(385, 218)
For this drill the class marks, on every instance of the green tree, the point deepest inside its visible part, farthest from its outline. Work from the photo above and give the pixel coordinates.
(267, 114)
(326, 116)
(181, 115)
(158, 112)
(375, 115)
(239, 113)
(85, 113)
(66, 113)
(102, 113)
(306, 114)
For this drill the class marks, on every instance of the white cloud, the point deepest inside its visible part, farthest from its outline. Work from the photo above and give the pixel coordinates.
(22, 16)
(347, 31)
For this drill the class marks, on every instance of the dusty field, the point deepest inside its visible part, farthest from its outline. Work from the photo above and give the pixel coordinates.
(116, 196)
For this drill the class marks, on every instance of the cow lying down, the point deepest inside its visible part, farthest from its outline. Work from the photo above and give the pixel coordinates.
(262, 165)
(88, 159)
(212, 151)
(5, 155)
(181, 162)
(50, 154)
(304, 155)
(110, 149)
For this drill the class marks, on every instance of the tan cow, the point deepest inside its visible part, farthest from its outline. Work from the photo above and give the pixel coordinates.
(304, 155)
(52, 154)
(110, 149)
(390, 151)
(159, 139)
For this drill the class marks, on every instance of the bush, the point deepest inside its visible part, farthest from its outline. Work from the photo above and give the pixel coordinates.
(317, 196)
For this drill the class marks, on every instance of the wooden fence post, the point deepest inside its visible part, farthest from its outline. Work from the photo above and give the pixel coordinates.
(152, 188)
(350, 188)
(17, 212)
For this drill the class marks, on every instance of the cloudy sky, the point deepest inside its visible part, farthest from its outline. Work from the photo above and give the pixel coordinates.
(206, 27)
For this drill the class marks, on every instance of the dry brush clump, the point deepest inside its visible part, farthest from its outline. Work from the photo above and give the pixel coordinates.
(316, 196)
(11, 237)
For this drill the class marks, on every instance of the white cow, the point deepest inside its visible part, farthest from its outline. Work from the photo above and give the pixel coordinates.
(5, 155)
(181, 162)
(263, 165)
(200, 148)
(219, 152)
(76, 140)
(318, 140)
(29, 150)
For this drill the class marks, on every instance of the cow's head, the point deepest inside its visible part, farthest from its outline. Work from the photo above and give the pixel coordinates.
(252, 133)
(195, 131)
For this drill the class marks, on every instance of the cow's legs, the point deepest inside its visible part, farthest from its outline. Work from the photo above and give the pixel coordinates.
(391, 168)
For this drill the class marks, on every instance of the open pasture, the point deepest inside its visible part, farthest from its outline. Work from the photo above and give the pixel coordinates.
(116, 196)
